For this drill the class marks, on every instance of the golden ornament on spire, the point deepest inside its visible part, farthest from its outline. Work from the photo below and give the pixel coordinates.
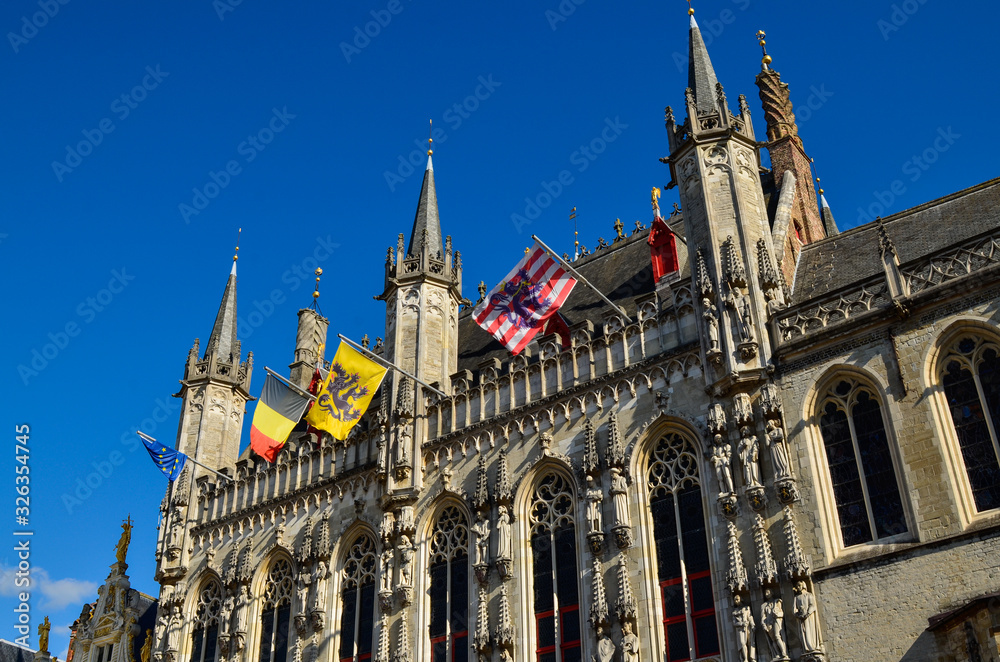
(655, 196)
(319, 272)
(236, 255)
(690, 9)
(817, 184)
(430, 137)
(121, 549)
(766, 60)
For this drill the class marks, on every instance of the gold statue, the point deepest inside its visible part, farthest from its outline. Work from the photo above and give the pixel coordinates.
(43, 636)
(147, 647)
(122, 549)
(655, 195)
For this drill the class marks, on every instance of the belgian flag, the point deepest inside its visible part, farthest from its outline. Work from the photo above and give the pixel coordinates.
(278, 411)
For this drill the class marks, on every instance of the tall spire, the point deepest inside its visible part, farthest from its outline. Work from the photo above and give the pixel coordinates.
(426, 223)
(701, 74)
(223, 339)
(826, 213)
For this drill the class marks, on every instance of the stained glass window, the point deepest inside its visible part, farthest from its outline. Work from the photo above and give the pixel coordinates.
(681, 541)
(357, 617)
(862, 472)
(449, 570)
(554, 570)
(971, 380)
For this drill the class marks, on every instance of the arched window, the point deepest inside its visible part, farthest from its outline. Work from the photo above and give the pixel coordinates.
(357, 617)
(276, 611)
(861, 468)
(205, 638)
(449, 569)
(970, 375)
(556, 590)
(681, 541)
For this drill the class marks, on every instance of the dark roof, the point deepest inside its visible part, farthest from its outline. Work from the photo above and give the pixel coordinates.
(10, 652)
(701, 74)
(426, 218)
(622, 272)
(224, 329)
(853, 256)
(947, 618)
(147, 620)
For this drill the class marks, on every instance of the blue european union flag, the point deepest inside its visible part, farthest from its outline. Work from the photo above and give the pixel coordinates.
(170, 461)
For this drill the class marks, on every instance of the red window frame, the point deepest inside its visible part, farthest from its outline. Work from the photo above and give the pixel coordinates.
(557, 615)
(695, 615)
(682, 618)
(450, 640)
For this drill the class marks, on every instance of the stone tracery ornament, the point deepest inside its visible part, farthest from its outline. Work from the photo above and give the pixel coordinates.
(616, 445)
(591, 460)
(704, 280)
(716, 419)
(504, 634)
(402, 653)
(742, 409)
(795, 565)
(736, 578)
(599, 604)
(481, 497)
(732, 264)
(770, 401)
(765, 569)
(481, 638)
(387, 526)
(504, 492)
(626, 607)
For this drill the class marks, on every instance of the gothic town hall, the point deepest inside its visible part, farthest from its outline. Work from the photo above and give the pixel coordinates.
(789, 449)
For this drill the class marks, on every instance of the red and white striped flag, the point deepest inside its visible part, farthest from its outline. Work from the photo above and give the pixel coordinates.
(517, 308)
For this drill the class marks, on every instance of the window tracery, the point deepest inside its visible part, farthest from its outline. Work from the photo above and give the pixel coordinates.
(449, 587)
(276, 611)
(862, 472)
(681, 541)
(357, 619)
(204, 639)
(970, 376)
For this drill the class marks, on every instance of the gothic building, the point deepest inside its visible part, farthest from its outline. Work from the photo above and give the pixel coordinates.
(786, 450)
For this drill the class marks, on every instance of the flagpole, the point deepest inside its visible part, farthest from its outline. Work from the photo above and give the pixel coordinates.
(217, 473)
(386, 364)
(297, 388)
(580, 278)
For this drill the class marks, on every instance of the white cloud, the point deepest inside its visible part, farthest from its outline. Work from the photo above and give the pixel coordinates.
(57, 594)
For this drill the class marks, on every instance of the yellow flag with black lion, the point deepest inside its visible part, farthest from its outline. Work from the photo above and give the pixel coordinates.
(346, 392)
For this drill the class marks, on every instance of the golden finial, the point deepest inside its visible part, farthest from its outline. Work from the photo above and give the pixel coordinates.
(430, 138)
(766, 60)
(526, 250)
(236, 255)
(817, 184)
(319, 272)
(690, 9)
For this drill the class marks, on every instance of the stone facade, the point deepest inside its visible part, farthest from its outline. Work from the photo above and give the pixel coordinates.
(760, 463)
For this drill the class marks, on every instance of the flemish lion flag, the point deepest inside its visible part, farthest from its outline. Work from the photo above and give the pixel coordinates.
(278, 411)
(346, 393)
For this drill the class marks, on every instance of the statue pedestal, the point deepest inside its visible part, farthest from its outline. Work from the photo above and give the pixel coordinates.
(43, 656)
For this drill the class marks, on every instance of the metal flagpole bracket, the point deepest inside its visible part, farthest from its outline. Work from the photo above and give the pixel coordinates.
(288, 383)
(580, 278)
(385, 364)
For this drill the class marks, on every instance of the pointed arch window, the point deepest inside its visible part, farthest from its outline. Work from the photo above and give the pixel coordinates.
(862, 472)
(276, 612)
(205, 638)
(554, 565)
(681, 540)
(357, 617)
(970, 374)
(449, 570)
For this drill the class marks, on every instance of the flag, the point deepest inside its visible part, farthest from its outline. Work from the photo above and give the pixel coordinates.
(278, 411)
(346, 393)
(519, 306)
(170, 461)
(557, 324)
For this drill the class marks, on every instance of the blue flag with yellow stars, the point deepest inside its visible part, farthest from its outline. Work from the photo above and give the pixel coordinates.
(170, 461)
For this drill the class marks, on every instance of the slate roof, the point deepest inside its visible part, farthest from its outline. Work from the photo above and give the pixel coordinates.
(11, 652)
(426, 218)
(622, 272)
(853, 256)
(147, 620)
(224, 329)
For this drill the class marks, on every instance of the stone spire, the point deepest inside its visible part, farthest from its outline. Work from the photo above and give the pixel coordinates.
(825, 212)
(223, 339)
(426, 223)
(701, 75)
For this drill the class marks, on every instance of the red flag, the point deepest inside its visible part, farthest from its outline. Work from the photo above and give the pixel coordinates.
(519, 306)
(557, 325)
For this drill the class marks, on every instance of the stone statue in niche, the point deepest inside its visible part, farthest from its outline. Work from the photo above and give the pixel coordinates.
(386, 563)
(749, 449)
(302, 592)
(744, 625)
(721, 461)
(619, 495)
(505, 547)
(630, 644)
(772, 620)
(746, 320)
(710, 315)
(779, 451)
(386, 526)
(595, 497)
(406, 553)
(605, 647)
(805, 611)
(482, 531)
(321, 576)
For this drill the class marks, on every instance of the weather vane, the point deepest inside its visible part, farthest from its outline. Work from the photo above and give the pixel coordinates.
(236, 255)
(766, 60)
(430, 137)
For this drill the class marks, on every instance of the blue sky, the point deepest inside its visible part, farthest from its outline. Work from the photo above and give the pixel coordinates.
(296, 126)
